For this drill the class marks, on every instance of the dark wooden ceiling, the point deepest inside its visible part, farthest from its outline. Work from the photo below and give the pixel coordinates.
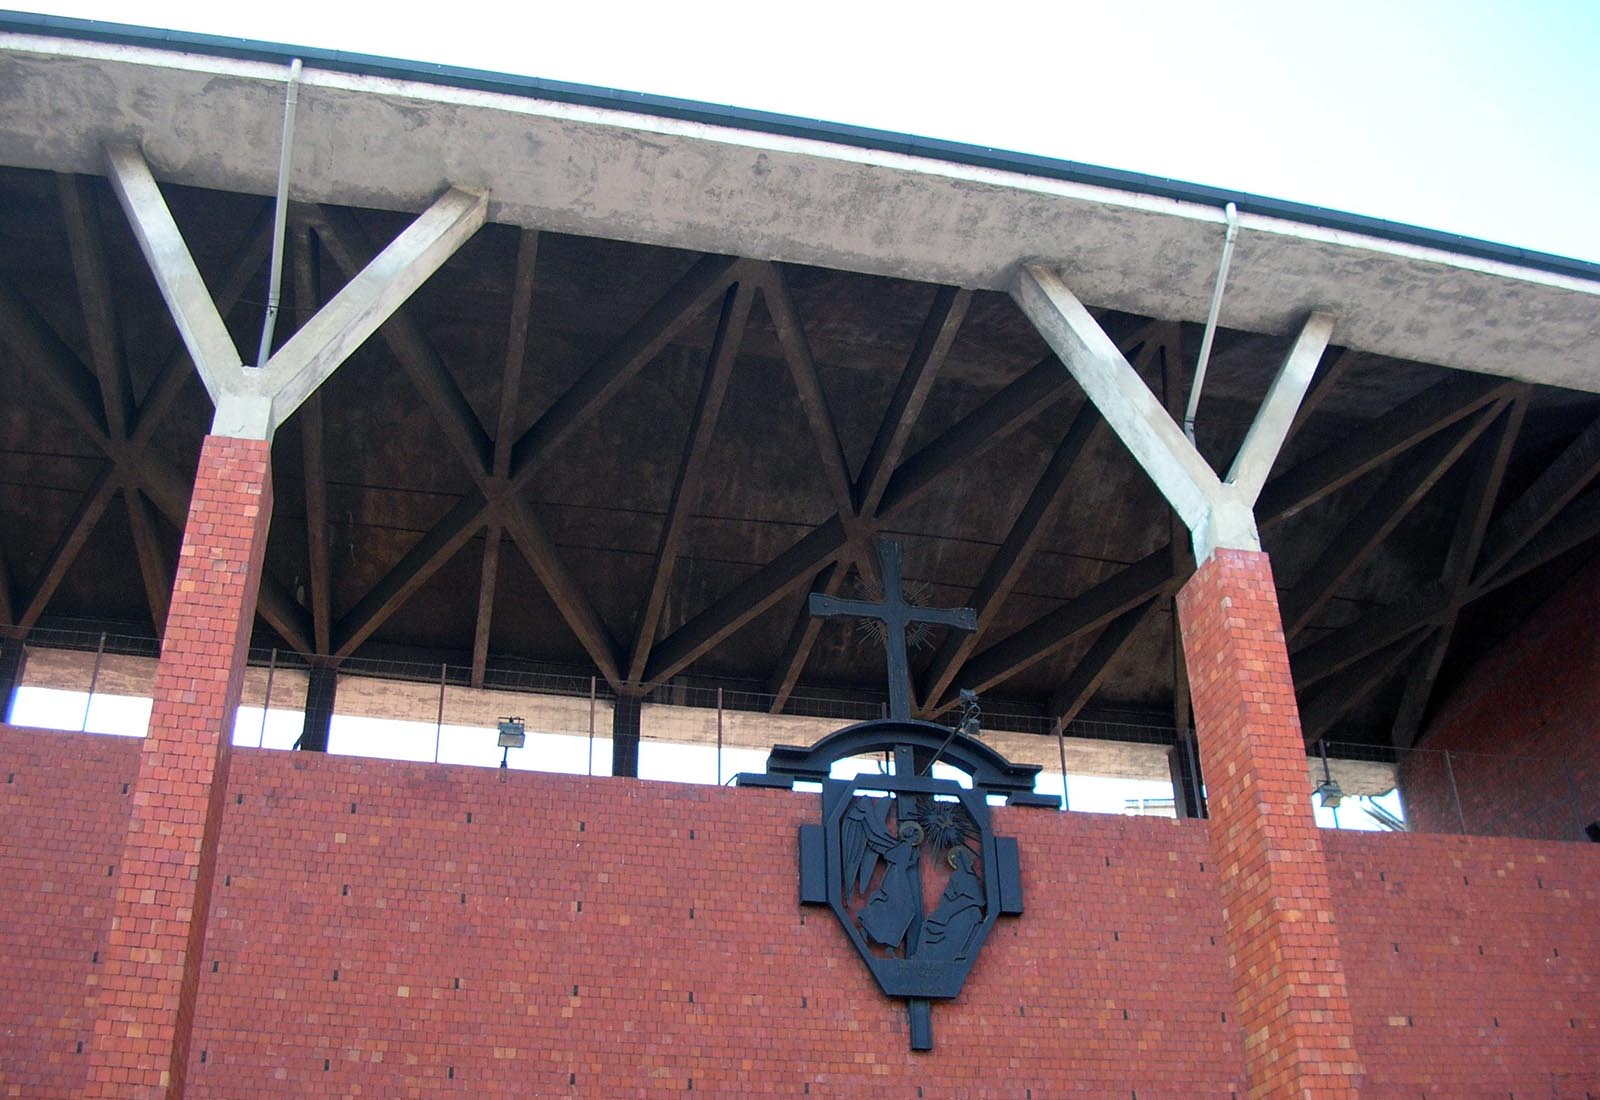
(492, 480)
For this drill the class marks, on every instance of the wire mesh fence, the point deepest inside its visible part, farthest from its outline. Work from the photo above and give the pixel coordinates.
(701, 732)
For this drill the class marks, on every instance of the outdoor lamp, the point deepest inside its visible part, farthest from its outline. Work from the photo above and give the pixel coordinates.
(1330, 793)
(513, 735)
(1328, 790)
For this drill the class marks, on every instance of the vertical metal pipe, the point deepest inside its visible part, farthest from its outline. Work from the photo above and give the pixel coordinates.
(1061, 744)
(591, 724)
(719, 737)
(1231, 214)
(266, 702)
(438, 726)
(280, 215)
(94, 678)
(1450, 772)
(1195, 773)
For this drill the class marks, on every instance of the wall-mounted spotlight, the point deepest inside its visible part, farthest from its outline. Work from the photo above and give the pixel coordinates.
(1328, 790)
(513, 735)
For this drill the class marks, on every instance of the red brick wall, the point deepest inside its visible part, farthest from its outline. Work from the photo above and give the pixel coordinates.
(1110, 984)
(63, 813)
(1522, 731)
(624, 938)
(1472, 964)
(1283, 943)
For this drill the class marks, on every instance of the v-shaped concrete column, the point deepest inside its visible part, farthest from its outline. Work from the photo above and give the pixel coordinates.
(149, 973)
(252, 401)
(1289, 985)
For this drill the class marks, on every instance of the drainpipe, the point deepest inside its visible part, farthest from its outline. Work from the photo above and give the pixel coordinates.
(280, 214)
(1231, 212)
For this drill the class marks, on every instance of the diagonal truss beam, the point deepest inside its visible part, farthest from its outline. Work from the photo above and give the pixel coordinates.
(488, 576)
(319, 564)
(1377, 517)
(686, 490)
(704, 282)
(516, 348)
(96, 303)
(54, 365)
(73, 387)
(423, 365)
(1436, 602)
(828, 582)
(1086, 678)
(539, 549)
(72, 540)
(999, 416)
(1007, 566)
(808, 386)
(938, 333)
(1551, 491)
(426, 556)
(505, 424)
(1577, 524)
(1436, 408)
(153, 569)
(750, 598)
(1146, 579)
(347, 245)
(1472, 523)
(688, 298)
(1322, 708)
(986, 425)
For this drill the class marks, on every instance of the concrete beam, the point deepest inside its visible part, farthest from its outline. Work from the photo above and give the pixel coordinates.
(201, 326)
(1154, 439)
(1277, 414)
(317, 348)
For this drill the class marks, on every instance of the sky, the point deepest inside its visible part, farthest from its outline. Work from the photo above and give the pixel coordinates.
(1470, 116)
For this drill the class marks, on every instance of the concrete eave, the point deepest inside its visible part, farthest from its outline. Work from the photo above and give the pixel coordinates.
(377, 141)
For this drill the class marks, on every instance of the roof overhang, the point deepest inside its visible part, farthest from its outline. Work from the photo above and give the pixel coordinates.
(373, 140)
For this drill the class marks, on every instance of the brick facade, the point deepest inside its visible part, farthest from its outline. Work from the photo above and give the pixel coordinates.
(1289, 983)
(1115, 981)
(1522, 729)
(143, 996)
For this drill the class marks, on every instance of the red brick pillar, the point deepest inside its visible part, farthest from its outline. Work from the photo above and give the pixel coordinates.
(143, 1002)
(1289, 983)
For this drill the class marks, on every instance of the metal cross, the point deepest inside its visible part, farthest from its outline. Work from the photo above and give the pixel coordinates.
(896, 615)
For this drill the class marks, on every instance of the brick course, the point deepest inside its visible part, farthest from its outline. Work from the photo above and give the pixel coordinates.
(143, 998)
(1283, 945)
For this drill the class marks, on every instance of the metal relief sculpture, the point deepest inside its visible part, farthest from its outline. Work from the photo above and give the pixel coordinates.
(908, 863)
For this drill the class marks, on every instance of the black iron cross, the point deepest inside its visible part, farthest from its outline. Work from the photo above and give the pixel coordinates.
(896, 615)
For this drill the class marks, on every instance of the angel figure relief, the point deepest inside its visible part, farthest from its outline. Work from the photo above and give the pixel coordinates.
(882, 864)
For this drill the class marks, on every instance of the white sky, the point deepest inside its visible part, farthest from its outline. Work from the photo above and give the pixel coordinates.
(1472, 116)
